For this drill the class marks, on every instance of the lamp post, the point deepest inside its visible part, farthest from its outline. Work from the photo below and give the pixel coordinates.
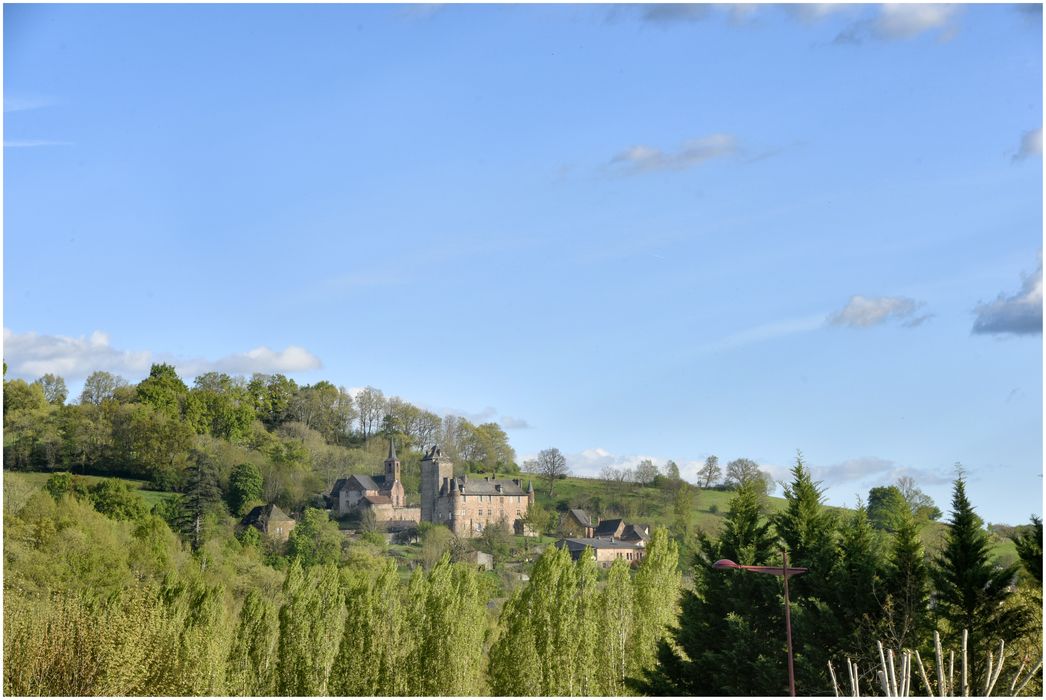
(784, 572)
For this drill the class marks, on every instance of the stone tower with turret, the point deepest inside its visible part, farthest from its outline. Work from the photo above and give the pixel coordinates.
(435, 472)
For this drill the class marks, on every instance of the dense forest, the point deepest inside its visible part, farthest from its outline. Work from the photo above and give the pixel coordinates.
(104, 594)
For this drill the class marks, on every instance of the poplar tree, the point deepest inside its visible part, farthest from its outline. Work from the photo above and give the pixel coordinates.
(253, 653)
(311, 620)
(615, 628)
(972, 587)
(656, 598)
(587, 651)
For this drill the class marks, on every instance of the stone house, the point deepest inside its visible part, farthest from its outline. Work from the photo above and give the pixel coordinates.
(576, 523)
(606, 550)
(466, 504)
(271, 521)
(381, 495)
(620, 530)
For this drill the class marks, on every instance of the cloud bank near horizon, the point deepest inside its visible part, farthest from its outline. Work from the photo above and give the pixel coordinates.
(32, 355)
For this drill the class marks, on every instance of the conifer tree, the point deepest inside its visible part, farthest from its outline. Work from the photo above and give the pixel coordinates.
(201, 497)
(906, 588)
(972, 587)
(858, 586)
(730, 620)
(1029, 549)
(809, 531)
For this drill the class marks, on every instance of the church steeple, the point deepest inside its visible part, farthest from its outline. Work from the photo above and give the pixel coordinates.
(392, 466)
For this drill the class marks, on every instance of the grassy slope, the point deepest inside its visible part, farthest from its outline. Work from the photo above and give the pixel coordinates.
(646, 504)
(36, 480)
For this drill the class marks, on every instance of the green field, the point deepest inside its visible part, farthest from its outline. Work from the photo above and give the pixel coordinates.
(21, 482)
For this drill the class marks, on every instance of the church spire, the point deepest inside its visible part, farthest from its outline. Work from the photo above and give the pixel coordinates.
(392, 450)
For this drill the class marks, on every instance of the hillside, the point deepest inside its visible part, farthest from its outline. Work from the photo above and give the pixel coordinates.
(652, 505)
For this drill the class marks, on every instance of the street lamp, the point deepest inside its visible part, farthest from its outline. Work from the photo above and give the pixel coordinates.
(784, 572)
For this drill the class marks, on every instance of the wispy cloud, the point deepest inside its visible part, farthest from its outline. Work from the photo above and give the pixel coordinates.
(1019, 314)
(766, 331)
(898, 22)
(863, 312)
(645, 159)
(24, 104)
(675, 12)
(34, 143)
(33, 354)
(510, 423)
(1031, 145)
(866, 470)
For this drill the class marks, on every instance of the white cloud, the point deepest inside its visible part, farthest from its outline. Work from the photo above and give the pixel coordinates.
(1020, 314)
(910, 20)
(641, 158)
(897, 22)
(1031, 145)
(261, 359)
(862, 312)
(32, 355)
(873, 471)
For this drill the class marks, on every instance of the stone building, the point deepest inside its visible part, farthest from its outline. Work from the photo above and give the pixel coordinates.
(606, 550)
(620, 530)
(576, 523)
(270, 520)
(469, 504)
(381, 495)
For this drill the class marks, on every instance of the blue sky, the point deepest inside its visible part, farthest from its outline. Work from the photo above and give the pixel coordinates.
(624, 231)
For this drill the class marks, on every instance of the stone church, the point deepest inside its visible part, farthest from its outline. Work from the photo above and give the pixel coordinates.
(382, 495)
(468, 504)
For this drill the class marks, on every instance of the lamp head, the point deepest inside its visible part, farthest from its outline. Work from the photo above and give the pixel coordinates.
(725, 564)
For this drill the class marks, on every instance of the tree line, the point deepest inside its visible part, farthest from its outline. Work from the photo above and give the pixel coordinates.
(301, 438)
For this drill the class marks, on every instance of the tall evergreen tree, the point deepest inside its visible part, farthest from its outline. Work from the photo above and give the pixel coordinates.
(972, 587)
(1029, 549)
(809, 531)
(202, 496)
(858, 586)
(730, 638)
(906, 588)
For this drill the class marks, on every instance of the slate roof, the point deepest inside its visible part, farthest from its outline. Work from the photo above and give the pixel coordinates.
(609, 528)
(486, 487)
(362, 482)
(261, 515)
(377, 500)
(582, 517)
(636, 532)
(576, 544)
